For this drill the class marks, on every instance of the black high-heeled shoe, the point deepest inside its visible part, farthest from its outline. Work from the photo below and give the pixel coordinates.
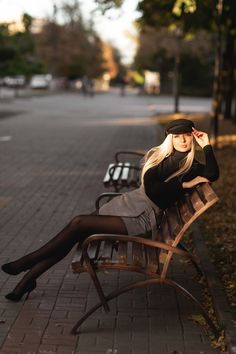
(15, 268)
(16, 296)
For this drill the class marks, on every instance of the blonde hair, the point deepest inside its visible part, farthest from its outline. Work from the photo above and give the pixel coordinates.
(157, 154)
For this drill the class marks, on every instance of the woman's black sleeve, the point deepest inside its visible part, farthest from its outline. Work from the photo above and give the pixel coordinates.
(210, 169)
(162, 193)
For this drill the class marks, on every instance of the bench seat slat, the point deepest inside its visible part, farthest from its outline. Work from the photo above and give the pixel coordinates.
(107, 177)
(117, 172)
(152, 263)
(125, 171)
(78, 256)
(137, 254)
(122, 252)
(106, 252)
(77, 262)
(93, 249)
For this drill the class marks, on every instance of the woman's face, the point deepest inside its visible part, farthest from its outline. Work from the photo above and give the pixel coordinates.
(182, 142)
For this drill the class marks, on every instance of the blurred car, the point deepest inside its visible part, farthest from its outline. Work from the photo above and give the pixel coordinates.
(40, 81)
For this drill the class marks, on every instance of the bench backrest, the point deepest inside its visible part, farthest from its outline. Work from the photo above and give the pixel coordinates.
(175, 220)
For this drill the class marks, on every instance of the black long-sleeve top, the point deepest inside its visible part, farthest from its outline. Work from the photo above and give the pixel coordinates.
(162, 193)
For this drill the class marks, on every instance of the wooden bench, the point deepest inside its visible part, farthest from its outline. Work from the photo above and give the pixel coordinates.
(142, 255)
(123, 174)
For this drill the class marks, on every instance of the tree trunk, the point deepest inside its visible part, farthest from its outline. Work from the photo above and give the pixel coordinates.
(217, 86)
(229, 77)
(234, 116)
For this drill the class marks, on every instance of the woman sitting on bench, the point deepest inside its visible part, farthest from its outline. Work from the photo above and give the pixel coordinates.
(168, 170)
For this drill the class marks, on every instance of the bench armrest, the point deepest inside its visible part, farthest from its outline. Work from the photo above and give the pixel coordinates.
(139, 153)
(105, 195)
(140, 240)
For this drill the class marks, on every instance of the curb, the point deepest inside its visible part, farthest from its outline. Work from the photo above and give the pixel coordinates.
(220, 303)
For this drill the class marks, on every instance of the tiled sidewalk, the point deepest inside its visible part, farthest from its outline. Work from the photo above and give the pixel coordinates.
(51, 171)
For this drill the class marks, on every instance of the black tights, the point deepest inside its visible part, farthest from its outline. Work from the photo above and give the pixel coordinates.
(79, 228)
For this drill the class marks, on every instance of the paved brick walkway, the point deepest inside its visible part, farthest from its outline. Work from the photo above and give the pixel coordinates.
(51, 169)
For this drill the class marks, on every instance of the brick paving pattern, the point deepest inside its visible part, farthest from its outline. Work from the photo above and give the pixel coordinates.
(51, 170)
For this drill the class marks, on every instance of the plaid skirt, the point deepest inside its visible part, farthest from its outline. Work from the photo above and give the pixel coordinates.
(136, 210)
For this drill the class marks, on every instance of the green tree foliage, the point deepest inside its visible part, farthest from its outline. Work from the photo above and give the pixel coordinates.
(27, 22)
(17, 55)
(6, 51)
(105, 5)
(157, 50)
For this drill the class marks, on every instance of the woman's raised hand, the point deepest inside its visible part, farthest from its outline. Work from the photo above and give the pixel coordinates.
(193, 182)
(201, 138)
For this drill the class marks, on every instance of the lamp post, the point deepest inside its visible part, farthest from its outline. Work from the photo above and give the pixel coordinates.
(178, 35)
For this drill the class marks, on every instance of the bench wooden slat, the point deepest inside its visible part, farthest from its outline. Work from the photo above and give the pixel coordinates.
(196, 201)
(122, 252)
(125, 171)
(93, 249)
(208, 192)
(152, 263)
(107, 177)
(189, 204)
(137, 254)
(184, 212)
(201, 194)
(77, 256)
(106, 252)
(117, 172)
(77, 262)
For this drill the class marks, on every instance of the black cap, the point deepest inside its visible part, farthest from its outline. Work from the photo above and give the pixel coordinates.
(179, 126)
